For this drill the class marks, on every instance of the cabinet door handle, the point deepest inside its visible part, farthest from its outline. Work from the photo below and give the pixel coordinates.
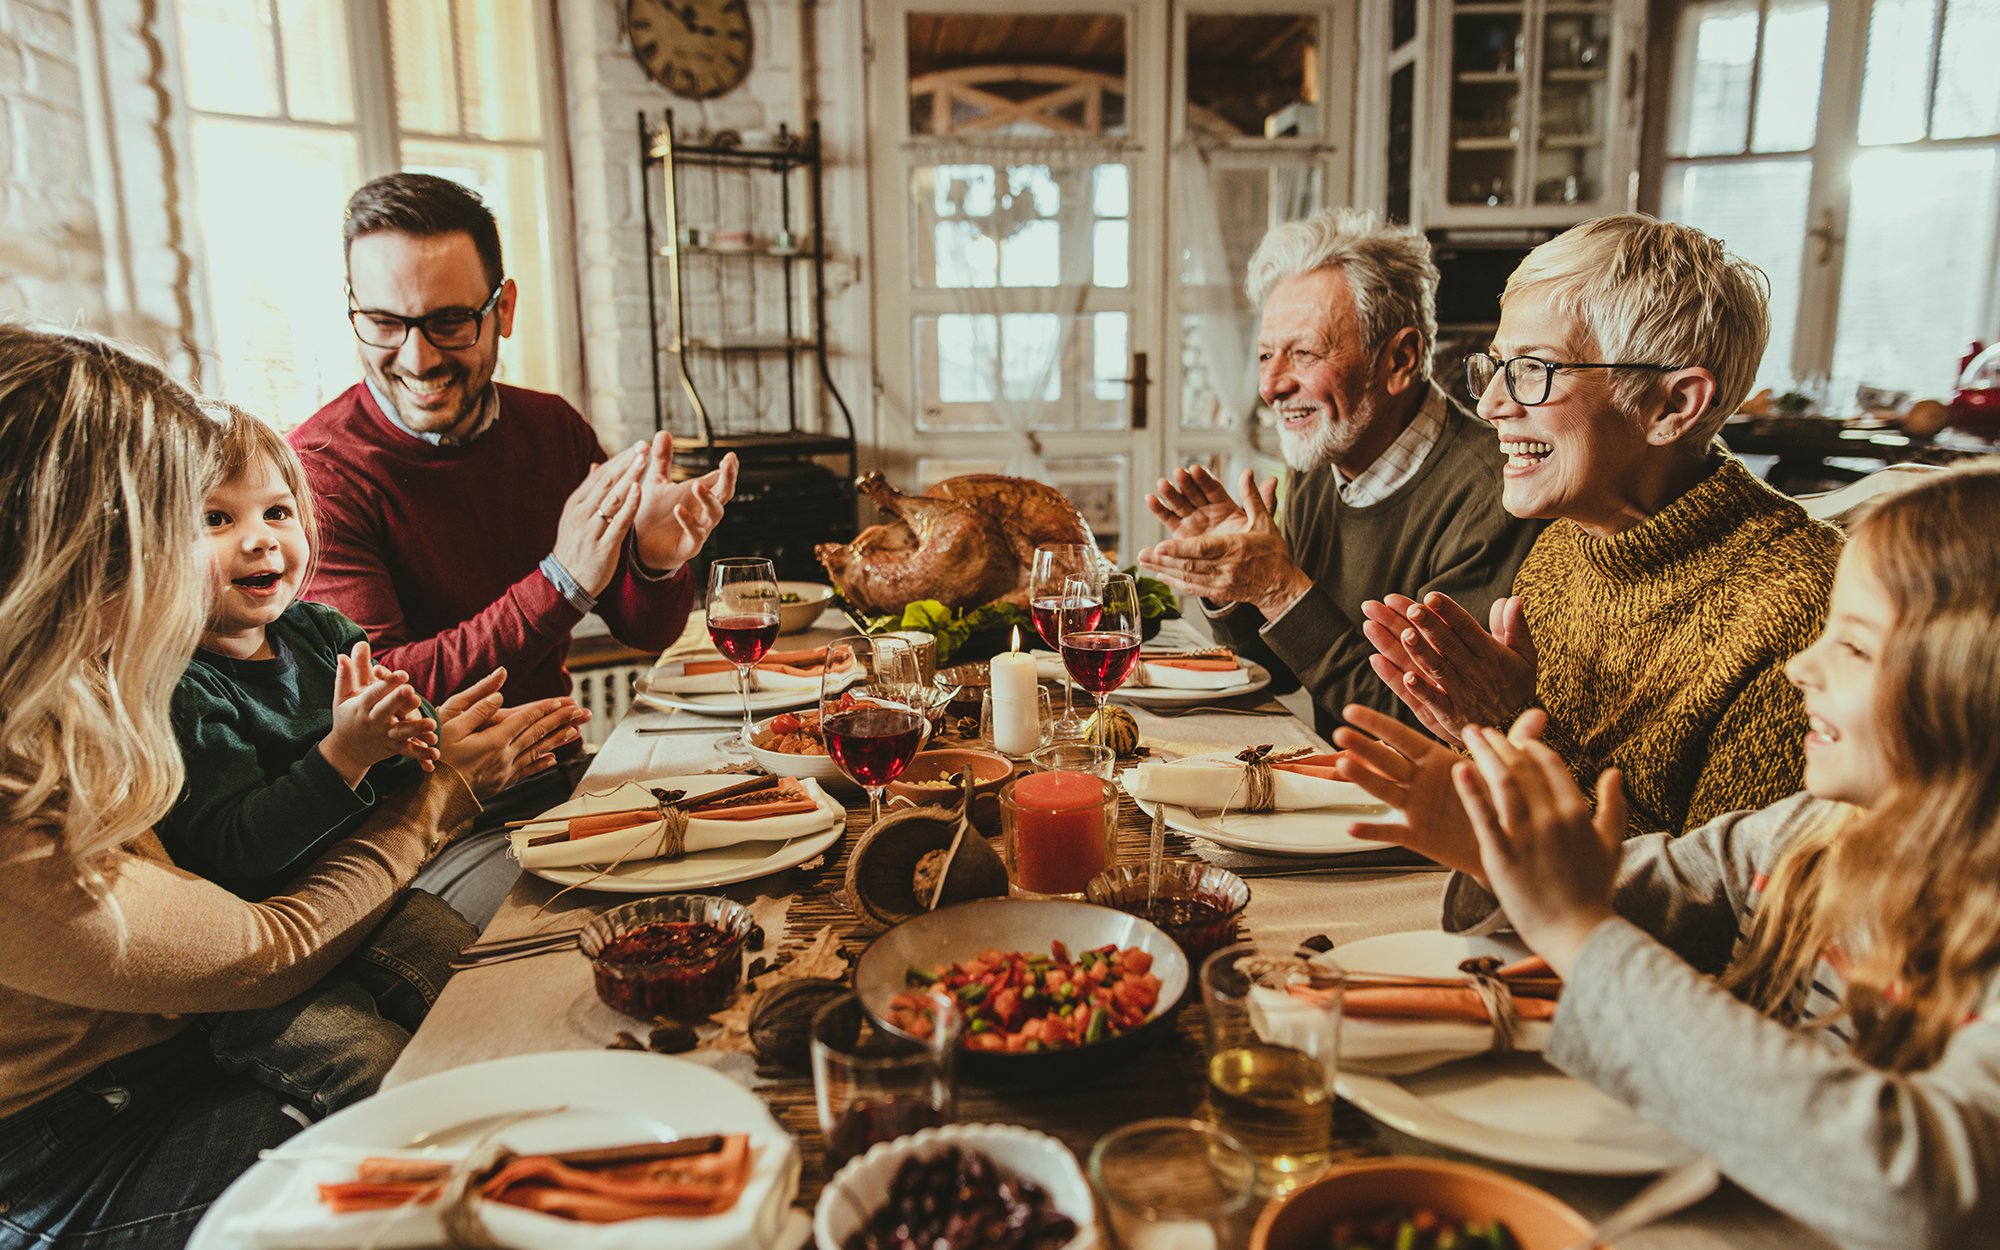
(1138, 382)
(1825, 238)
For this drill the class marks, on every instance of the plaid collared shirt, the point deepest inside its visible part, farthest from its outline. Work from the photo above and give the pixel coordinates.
(1396, 466)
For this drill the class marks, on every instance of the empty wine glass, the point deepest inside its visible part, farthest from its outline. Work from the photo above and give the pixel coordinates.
(1054, 565)
(742, 623)
(869, 701)
(1100, 652)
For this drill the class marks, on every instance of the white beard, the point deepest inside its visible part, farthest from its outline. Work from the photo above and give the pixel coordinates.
(1322, 442)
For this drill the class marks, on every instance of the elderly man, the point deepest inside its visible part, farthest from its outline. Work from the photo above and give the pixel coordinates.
(1392, 483)
(469, 526)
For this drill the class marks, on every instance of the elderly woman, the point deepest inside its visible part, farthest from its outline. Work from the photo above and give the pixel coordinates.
(115, 1127)
(1652, 619)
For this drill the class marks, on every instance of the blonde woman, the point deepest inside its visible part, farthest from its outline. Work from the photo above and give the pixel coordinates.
(1847, 1068)
(1652, 619)
(115, 1128)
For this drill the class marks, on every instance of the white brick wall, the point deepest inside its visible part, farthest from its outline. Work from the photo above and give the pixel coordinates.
(51, 249)
(607, 89)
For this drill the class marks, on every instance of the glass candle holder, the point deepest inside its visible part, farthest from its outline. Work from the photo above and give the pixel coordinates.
(1058, 829)
(1075, 757)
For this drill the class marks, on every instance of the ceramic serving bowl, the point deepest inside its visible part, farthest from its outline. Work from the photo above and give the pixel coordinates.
(859, 1188)
(925, 781)
(958, 933)
(794, 618)
(1304, 1219)
(1183, 882)
(820, 768)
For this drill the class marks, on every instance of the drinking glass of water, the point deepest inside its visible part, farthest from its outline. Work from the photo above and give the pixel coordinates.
(1273, 1049)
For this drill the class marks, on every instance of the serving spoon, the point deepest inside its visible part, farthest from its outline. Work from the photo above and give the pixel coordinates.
(1674, 1190)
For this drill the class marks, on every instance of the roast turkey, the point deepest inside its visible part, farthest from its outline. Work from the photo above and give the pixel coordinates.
(966, 541)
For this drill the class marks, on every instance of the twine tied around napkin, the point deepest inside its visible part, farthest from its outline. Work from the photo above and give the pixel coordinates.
(1497, 997)
(1262, 793)
(670, 843)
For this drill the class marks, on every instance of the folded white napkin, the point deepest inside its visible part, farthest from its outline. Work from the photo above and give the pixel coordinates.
(702, 835)
(1212, 783)
(1155, 676)
(1390, 1047)
(295, 1219)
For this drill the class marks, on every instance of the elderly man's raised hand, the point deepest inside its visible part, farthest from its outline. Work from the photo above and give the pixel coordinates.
(590, 534)
(1232, 554)
(676, 518)
(1446, 667)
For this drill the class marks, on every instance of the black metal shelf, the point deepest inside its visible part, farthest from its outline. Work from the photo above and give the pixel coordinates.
(808, 384)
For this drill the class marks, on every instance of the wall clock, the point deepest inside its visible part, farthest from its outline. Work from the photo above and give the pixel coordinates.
(693, 48)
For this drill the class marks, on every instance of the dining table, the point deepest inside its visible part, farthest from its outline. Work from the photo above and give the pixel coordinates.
(548, 1003)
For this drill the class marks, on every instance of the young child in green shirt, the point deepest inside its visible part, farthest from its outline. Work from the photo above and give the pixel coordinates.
(290, 734)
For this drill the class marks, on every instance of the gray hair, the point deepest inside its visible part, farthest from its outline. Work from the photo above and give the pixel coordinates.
(1388, 267)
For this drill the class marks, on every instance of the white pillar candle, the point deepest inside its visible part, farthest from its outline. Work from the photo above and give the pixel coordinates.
(1016, 711)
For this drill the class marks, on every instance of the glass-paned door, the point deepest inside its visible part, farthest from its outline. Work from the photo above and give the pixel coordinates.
(1072, 191)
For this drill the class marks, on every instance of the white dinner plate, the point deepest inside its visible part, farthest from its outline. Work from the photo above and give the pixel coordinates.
(1517, 1110)
(699, 870)
(600, 1098)
(1278, 833)
(730, 704)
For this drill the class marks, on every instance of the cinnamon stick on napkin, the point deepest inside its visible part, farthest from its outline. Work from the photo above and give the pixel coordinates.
(1534, 986)
(788, 798)
(801, 662)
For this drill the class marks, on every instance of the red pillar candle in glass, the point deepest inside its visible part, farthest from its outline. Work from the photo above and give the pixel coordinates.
(1060, 830)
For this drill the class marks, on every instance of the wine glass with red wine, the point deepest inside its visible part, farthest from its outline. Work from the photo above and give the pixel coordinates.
(870, 710)
(1100, 653)
(1054, 566)
(742, 623)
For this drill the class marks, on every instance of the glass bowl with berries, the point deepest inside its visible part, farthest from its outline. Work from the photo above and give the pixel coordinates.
(679, 956)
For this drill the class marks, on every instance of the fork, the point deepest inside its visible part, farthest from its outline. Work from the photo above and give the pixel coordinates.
(1172, 712)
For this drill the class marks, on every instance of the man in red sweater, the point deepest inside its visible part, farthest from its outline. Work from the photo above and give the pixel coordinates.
(468, 526)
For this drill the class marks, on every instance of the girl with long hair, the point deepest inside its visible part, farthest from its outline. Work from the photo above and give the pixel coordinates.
(1845, 1067)
(116, 1129)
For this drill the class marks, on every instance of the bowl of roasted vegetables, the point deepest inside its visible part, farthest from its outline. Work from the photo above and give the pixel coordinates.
(1417, 1204)
(1046, 986)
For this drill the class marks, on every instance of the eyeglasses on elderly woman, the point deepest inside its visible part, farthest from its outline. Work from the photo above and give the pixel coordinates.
(1530, 378)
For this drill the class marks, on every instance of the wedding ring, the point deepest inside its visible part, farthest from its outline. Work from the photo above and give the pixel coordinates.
(605, 517)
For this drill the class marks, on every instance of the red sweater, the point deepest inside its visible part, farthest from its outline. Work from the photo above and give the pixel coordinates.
(435, 550)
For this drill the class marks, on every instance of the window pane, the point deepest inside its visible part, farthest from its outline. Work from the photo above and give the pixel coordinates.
(1915, 289)
(228, 58)
(1109, 348)
(426, 88)
(1032, 255)
(274, 266)
(1254, 76)
(1759, 209)
(1897, 73)
(500, 62)
(1096, 485)
(319, 79)
(967, 358)
(1016, 226)
(1011, 74)
(510, 181)
(1718, 46)
(1967, 101)
(1111, 194)
(1789, 83)
(1110, 254)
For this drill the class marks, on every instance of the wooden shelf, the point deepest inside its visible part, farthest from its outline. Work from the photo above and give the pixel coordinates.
(1576, 75)
(1487, 77)
(1498, 143)
(747, 343)
(671, 250)
(748, 445)
(1570, 142)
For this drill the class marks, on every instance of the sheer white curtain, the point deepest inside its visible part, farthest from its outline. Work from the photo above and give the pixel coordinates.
(1023, 275)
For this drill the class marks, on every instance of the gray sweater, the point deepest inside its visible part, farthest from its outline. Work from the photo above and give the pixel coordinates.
(1867, 1157)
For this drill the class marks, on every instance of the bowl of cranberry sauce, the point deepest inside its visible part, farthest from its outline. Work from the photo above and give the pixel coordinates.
(1197, 904)
(680, 956)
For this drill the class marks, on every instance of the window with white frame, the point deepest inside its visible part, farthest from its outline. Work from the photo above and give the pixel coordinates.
(1852, 149)
(292, 104)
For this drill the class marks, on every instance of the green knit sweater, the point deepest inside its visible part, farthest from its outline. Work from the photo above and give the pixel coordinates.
(1662, 649)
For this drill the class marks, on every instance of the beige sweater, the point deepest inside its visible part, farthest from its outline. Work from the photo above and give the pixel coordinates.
(73, 995)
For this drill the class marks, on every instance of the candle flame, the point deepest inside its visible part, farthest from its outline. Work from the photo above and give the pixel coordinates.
(1016, 645)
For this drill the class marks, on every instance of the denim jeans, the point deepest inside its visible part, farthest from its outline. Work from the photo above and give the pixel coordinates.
(332, 1045)
(129, 1157)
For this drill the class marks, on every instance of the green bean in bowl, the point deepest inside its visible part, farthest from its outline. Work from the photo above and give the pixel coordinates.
(1419, 1228)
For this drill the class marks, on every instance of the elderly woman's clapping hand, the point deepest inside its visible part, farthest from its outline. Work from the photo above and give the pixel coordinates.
(1449, 670)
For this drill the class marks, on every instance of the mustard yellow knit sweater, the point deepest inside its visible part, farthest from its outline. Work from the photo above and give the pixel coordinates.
(1662, 649)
